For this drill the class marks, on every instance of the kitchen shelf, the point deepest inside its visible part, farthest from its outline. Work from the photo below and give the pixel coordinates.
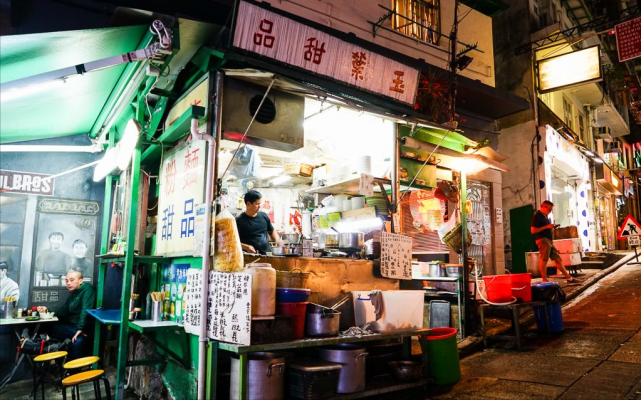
(313, 342)
(381, 384)
(438, 279)
(349, 186)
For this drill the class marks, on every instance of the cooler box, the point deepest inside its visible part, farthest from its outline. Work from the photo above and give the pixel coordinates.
(567, 246)
(402, 309)
(568, 259)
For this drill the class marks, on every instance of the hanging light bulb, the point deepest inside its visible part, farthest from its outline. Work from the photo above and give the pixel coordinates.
(106, 165)
(128, 143)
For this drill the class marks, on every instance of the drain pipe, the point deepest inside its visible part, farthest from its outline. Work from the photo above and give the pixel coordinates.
(203, 339)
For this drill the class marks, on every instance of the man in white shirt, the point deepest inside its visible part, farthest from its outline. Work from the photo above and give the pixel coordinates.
(8, 288)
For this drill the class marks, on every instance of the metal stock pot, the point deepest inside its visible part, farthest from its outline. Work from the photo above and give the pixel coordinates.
(351, 240)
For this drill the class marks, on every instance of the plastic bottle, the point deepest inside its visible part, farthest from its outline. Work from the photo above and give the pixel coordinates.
(263, 289)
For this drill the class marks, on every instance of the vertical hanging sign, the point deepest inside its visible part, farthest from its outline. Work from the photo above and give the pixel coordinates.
(275, 36)
(182, 182)
(192, 298)
(396, 256)
(229, 307)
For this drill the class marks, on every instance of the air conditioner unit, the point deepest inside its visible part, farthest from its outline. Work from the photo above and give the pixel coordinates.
(615, 147)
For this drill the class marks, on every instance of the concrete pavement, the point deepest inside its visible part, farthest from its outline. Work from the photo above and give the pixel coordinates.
(598, 356)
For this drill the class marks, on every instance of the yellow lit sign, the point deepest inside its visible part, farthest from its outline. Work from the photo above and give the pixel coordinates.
(570, 69)
(615, 181)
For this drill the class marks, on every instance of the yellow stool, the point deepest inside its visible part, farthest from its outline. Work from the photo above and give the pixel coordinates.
(94, 376)
(81, 362)
(40, 361)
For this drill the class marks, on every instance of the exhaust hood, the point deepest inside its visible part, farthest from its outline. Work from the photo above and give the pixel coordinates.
(278, 124)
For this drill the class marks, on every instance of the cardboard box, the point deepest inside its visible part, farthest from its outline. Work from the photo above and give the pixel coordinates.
(566, 232)
(566, 246)
(568, 259)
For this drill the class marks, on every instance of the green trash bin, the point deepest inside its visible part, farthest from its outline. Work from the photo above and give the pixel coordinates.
(442, 352)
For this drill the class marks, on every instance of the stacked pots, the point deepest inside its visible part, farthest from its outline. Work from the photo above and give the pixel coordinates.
(266, 375)
(352, 358)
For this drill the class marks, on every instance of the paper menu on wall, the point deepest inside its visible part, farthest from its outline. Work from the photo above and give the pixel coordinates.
(366, 186)
(396, 256)
(229, 307)
(192, 298)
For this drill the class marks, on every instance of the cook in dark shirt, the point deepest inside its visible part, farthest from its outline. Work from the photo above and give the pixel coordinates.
(541, 228)
(254, 227)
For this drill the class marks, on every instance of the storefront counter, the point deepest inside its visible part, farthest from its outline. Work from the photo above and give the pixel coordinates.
(331, 279)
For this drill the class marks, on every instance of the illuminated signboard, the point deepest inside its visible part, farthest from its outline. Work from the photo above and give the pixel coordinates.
(568, 70)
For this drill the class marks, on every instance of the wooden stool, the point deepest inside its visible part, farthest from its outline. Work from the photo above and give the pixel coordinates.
(94, 376)
(39, 370)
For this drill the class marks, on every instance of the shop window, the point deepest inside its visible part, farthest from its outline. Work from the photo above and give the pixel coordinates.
(419, 19)
(582, 132)
(567, 113)
(479, 223)
(423, 214)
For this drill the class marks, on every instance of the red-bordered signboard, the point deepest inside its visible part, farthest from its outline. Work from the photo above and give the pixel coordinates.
(629, 228)
(629, 39)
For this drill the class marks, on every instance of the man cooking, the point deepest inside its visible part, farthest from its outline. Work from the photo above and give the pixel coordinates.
(254, 227)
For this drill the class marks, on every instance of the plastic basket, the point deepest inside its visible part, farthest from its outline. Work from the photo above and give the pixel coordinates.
(312, 385)
(454, 239)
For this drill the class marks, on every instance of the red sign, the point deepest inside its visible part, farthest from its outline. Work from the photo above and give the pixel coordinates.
(629, 228)
(629, 39)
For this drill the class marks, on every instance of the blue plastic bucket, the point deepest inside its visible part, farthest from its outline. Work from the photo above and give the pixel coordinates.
(554, 314)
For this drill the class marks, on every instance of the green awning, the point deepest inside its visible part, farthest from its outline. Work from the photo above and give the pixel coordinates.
(73, 107)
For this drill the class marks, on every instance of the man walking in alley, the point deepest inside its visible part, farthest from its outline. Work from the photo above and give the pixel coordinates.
(541, 228)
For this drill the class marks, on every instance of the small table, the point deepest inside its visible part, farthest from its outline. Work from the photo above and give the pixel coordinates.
(14, 323)
(514, 307)
(106, 317)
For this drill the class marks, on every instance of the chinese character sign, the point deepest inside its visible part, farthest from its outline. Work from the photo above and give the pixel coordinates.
(272, 35)
(182, 183)
(192, 298)
(229, 307)
(396, 256)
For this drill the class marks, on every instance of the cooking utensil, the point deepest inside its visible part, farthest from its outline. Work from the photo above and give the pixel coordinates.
(454, 270)
(290, 237)
(351, 240)
(266, 377)
(325, 323)
(352, 357)
(406, 371)
(340, 303)
(436, 270)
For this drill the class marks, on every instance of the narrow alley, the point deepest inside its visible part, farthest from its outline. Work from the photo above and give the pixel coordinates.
(598, 356)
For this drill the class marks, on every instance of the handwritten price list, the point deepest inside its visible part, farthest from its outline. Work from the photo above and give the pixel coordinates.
(396, 256)
(228, 304)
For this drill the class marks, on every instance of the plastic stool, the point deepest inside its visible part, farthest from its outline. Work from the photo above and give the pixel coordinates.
(81, 362)
(39, 366)
(94, 376)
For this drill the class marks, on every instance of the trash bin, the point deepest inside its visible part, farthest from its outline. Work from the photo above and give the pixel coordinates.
(547, 291)
(554, 315)
(442, 350)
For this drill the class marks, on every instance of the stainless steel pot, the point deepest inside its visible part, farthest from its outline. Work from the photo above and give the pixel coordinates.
(323, 323)
(352, 358)
(290, 237)
(287, 250)
(265, 378)
(351, 240)
(436, 270)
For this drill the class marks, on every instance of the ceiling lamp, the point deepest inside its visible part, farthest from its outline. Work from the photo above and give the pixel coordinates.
(127, 144)
(106, 165)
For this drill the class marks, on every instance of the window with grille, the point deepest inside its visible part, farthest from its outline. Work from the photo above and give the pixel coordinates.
(567, 113)
(419, 19)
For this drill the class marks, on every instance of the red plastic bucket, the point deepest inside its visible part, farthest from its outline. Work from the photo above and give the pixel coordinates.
(498, 288)
(522, 286)
(297, 311)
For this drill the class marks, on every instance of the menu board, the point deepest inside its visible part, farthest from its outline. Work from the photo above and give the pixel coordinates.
(396, 256)
(192, 299)
(229, 307)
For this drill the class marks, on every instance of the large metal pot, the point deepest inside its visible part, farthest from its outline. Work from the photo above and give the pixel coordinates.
(351, 240)
(290, 237)
(265, 378)
(352, 358)
(323, 323)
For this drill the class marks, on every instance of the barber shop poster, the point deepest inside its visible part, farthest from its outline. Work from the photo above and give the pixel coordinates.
(182, 183)
(64, 240)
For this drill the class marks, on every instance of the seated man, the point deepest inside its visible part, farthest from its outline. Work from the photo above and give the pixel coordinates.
(74, 323)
